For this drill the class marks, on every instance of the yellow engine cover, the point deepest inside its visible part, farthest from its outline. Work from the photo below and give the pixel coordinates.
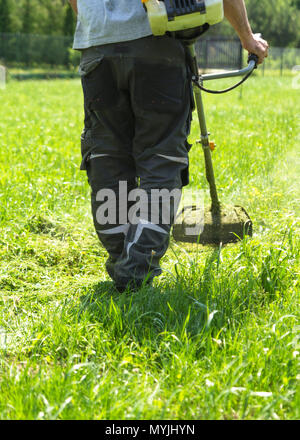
(160, 24)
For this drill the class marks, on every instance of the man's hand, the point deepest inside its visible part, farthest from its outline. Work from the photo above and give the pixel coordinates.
(257, 45)
(236, 13)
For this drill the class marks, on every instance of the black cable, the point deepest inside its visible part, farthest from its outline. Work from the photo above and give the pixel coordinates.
(195, 80)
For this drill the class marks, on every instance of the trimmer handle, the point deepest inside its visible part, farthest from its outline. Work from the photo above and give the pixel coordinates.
(253, 57)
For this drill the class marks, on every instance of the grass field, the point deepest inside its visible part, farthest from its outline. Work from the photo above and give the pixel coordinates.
(217, 337)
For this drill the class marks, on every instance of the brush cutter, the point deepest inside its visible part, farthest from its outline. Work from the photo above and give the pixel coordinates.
(188, 20)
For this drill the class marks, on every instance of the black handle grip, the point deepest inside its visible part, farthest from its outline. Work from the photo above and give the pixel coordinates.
(253, 57)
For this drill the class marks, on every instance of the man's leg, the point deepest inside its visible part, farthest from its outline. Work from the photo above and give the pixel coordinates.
(161, 101)
(107, 149)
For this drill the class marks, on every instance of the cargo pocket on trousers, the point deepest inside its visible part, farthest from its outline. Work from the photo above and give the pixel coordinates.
(99, 86)
(86, 67)
(159, 87)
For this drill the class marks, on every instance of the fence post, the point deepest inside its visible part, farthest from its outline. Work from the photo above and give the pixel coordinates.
(281, 64)
(241, 57)
(241, 63)
(18, 47)
(206, 54)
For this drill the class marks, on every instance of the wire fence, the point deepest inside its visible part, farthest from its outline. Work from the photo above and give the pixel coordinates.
(34, 50)
(219, 53)
(281, 61)
(30, 52)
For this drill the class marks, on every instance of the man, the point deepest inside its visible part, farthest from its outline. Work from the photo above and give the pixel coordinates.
(137, 99)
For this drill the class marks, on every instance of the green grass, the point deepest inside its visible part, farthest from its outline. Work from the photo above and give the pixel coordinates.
(217, 337)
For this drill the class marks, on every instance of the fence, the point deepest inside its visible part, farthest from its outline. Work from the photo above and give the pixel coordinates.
(34, 50)
(280, 61)
(42, 51)
(219, 53)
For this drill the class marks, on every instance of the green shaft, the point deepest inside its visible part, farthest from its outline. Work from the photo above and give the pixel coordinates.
(204, 136)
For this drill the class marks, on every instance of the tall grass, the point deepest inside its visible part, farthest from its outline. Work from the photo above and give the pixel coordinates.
(216, 337)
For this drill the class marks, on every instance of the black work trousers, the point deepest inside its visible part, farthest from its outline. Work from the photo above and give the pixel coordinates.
(138, 110)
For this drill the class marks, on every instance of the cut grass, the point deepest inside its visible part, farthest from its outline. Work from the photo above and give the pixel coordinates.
(217, 337)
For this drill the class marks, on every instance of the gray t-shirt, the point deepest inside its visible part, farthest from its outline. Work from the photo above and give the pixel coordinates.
(109, 21)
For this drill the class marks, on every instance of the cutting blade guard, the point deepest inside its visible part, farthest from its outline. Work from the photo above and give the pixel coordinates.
(179, 15)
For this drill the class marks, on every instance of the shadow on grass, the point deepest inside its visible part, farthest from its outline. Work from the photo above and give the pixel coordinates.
(176, 306)
(205, 295)
(103, 290)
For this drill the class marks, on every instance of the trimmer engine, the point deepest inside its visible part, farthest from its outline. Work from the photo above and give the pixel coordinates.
(178, 15)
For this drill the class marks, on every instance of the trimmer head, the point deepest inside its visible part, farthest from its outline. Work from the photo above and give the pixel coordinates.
(228, 225)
